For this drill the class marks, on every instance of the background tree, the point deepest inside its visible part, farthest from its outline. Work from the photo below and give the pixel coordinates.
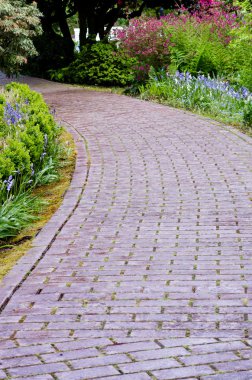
(19, 24)
(56, 47)
(55, 21)
(98, 17)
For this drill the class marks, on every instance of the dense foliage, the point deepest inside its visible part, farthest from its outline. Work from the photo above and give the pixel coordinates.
(28, 152)
(203, 94)
(96, 17)
(200, 60)
(98, 64)
(214, 40)
(211, 43)
(19, 24)
(240, 47)
(194, 42)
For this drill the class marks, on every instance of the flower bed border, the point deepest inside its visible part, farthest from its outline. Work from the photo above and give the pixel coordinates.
(45, 238)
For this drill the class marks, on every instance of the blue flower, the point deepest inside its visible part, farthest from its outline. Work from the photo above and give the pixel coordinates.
(12, 115)
(42, 155)
(245, 92)
(9, 183)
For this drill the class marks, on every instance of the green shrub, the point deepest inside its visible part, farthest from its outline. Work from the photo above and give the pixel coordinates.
(28, 155)
(194, 42)
(25, 117)
(33, 140)
(247, 115)
(240, 46)
(18, 154)
(36, 110)
(28, 131)
(45, 123)
(7, 167)
(98, 64)
(195, 48)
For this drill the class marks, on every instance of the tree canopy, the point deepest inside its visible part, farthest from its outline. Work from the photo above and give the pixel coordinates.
(19, 24)
(56, 47)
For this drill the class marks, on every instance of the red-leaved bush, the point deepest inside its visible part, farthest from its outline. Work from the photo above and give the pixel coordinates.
(144, 39)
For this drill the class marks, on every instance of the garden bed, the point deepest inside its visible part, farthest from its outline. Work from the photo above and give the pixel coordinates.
(36, 163)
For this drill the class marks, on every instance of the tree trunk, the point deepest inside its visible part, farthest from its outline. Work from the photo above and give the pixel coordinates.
(61, 15)
(83, 28)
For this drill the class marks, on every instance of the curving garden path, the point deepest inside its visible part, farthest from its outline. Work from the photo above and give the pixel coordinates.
(145, 272)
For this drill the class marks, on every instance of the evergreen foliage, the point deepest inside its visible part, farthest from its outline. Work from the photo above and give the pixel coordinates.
(98, 64)
(29, 155)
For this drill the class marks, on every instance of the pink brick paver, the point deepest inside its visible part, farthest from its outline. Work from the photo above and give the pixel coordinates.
(149, 276)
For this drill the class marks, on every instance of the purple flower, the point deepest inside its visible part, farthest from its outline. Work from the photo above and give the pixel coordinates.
(12, 115)
(245, 92)
(9, 183)
(179, 76)
(188, 76)
(42, 156)
(9, 186)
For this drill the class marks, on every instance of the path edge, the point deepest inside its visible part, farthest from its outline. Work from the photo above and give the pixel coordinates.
(45, 238)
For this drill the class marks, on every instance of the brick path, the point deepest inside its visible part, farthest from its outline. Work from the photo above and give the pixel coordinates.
(149, 276)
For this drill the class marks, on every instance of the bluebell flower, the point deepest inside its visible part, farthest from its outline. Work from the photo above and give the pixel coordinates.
(188, 77)
(9, 183)
(245, 92)
(12, 115)
(42, 155)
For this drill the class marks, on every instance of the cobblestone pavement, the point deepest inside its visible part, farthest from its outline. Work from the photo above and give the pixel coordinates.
(149, 276)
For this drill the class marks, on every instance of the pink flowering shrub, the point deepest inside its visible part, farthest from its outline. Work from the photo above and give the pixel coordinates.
(213, 13)
(194, 41)
(145, 40)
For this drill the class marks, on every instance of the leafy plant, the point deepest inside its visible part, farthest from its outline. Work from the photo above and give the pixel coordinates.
(16, 213)
(29, 151)
(181, 40)
(98, 64)
(20, 23)
(203, 94)
(195, 47)
(247, 115)
(240, 47)
(18, 154)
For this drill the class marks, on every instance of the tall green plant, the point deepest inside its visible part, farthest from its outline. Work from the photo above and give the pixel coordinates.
(240, 47)
(195, 47)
